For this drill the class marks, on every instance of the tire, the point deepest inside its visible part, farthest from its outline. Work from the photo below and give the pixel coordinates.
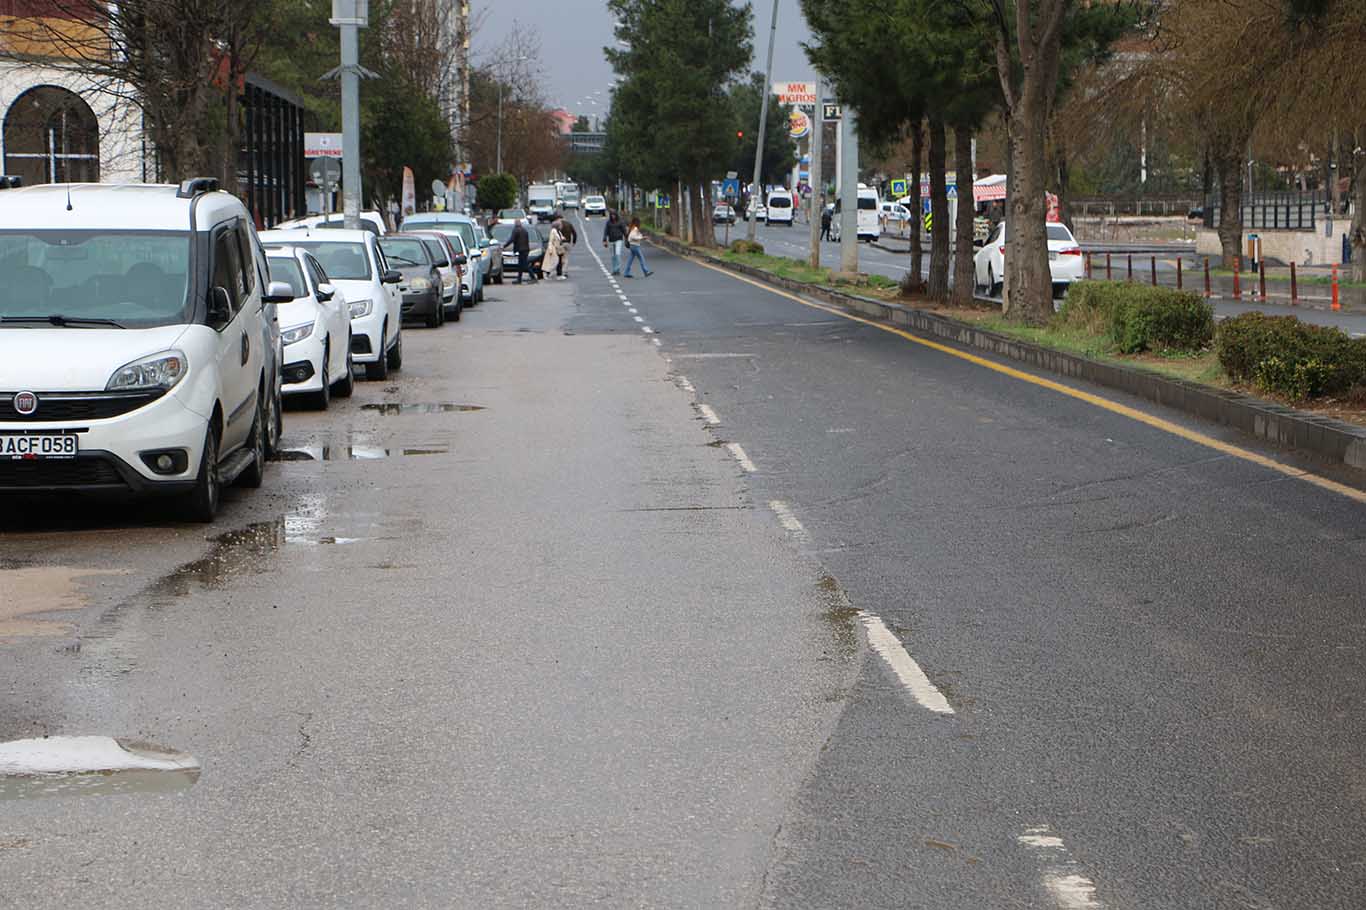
(395, 356)
(379, 370)
(434, 321)
(456, 311)
(275, 424)
(498, 279)
(201, 504)
(992, 286)
(347, 384)
(324, 397)
(254, 476)
(480, 295)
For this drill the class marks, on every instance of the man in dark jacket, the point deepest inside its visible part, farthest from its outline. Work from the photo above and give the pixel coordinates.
(571, 237)
(614, 235)
(521, 245)
(826, 216)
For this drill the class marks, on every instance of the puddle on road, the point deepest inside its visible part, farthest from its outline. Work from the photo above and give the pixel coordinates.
(91, 766)
(31, 590)
(355, 453)
(390, 409)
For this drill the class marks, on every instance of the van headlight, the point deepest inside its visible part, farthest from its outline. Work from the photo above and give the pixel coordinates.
(361, 308)
(156, 371)
(296, 334)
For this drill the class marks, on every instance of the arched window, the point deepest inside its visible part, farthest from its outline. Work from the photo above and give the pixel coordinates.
(52, 136)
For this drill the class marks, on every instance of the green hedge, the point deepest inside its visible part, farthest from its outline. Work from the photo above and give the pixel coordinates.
(1282, 355)
(747, 246)
(1140, 317)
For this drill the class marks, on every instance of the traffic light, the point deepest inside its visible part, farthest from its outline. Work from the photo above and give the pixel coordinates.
(739, 134)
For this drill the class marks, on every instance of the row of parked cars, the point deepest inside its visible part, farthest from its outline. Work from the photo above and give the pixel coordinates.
(149, 334)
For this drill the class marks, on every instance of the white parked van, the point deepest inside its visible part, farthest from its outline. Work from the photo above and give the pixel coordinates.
(869, 210)
(138, 342)
(541, 200)
(779, 208)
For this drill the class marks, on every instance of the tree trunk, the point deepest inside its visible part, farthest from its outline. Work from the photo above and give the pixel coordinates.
(917, 247)
(1028, 280)
(1228, 162)
(1358, 235)
(938, 287)
(962, 242)
(701, 216)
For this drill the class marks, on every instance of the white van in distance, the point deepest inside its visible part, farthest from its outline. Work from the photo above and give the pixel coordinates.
(779, 208)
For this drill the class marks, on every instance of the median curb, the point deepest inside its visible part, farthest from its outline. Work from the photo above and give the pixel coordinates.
(1333, 440)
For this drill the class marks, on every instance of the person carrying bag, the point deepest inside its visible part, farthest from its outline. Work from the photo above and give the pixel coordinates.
(634, 238)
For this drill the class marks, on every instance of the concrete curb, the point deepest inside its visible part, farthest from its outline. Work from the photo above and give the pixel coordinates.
(1333, 440)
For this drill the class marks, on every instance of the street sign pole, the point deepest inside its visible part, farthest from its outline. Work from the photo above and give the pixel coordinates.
(350, 16)
(849, 194)
(817, 184)
(763, 122)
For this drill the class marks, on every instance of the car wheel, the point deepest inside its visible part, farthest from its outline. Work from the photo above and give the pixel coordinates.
(201, 503)
(275, 423)
(347, 384)
(324, 397)
(396, 355)
(434, 320)
(379, 370)
(993, 288)
(458, 310)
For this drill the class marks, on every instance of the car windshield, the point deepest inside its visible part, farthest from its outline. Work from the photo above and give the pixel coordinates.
(286, 269)
(1059, 232)
(512, 214)
(342, 261)
(595, 200)
(437, 251)
(134, 278)
(405, 251)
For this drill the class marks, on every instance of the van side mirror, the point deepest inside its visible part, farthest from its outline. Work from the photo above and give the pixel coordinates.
(326, 292)
(220, 307)
(391, 276)
(278, 292)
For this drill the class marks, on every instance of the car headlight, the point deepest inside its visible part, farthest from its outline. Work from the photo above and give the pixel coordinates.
(448, 281)
(156, 371)
(298, 333)
(420, 284)
(361, 308)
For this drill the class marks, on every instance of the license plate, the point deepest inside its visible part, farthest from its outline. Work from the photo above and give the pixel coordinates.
(36, 446)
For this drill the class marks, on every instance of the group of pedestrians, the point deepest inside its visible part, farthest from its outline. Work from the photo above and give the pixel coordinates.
(617, 236)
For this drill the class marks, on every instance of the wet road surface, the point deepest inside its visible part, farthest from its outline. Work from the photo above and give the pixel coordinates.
(675, 592)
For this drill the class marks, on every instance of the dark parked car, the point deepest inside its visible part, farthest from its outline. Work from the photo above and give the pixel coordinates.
(502, 232)
(421, 284)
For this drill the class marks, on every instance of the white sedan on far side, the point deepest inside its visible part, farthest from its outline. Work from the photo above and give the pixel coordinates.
(1065, 260)
(315, 328)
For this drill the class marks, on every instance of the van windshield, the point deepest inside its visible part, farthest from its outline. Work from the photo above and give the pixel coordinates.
(780, 202)
(867, 202)
(137, 279)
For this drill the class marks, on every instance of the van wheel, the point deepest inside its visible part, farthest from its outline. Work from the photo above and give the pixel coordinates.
(379, 370)
(275, 423)
(201, 503)
(255, 474)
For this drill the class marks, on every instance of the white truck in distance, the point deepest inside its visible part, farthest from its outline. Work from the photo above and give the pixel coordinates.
(541, 200)
(568, 194)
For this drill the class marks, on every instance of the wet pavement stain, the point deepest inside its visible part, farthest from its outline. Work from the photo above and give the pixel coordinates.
(91, 766)
(840, 615)
(390, 409)
(25, 592)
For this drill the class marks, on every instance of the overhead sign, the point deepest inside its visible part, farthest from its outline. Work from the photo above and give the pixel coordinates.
(796, 93)
(831, 113)
(900, 188)
(798, 124)
(322, 145)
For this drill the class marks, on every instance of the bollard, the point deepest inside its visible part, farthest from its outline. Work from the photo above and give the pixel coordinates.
(1108, 275)
(1206, 277)
(1088, 265)
(1179, 285)
(1261, 279)
(1130, 258)
(1294, 287)
(1337, 304)
(1152, 264)
(1237, 285)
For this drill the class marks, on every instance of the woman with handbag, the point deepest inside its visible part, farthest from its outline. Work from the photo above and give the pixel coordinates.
(634, 238)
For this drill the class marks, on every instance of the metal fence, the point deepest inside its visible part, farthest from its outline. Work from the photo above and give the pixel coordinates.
(1291, 211)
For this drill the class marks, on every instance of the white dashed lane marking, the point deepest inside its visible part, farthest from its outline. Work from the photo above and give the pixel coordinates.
(889, 647)
(740, 456)
(789, 521)
(708, 414)
(1063, 876)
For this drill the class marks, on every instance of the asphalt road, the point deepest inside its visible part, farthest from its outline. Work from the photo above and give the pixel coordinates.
(1314, 301)
(721, 600)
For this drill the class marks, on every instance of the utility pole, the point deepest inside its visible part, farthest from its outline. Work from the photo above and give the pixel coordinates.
(849, 194)
(499, 165)
(763, 123)
(350, 16)
(817, 184)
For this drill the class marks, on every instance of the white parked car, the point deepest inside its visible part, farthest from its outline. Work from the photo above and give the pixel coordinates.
(594, 205)
(779, 209)
(315, 328)
(357, 268)
(1065, 260)
(895, 214)
(137, 347)
(757, 211)
(369, 221)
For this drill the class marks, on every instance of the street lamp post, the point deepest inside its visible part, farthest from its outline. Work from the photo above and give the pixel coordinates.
(350, 16)
(763, 121)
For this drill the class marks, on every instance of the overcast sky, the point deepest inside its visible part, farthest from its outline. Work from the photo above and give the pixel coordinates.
(574, 32)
